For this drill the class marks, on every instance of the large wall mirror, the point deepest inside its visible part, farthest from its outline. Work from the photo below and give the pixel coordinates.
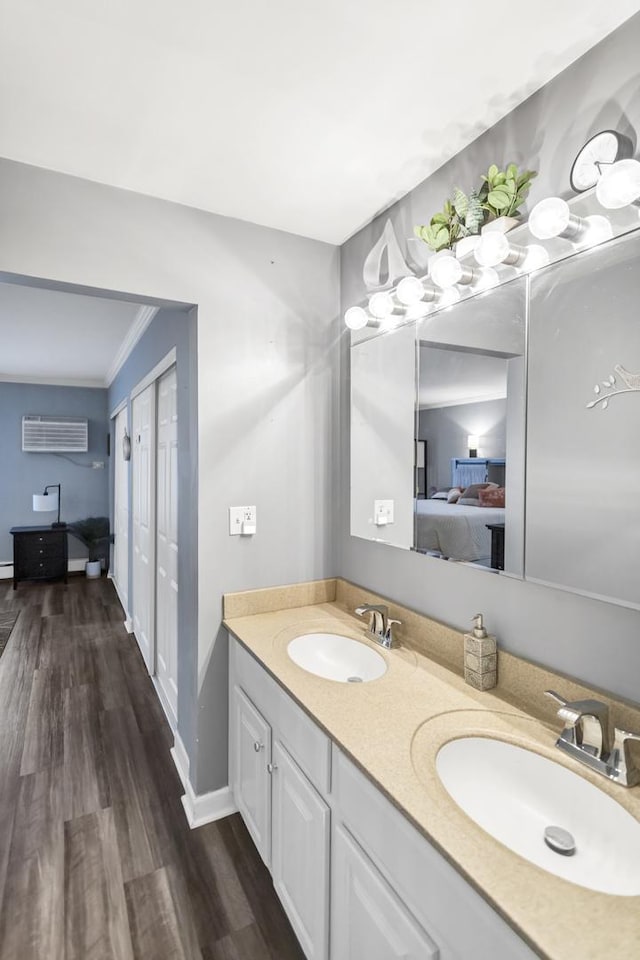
(526, 403)
(470, 402)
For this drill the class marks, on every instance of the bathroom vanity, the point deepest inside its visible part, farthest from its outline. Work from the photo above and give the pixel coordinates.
(338, 786)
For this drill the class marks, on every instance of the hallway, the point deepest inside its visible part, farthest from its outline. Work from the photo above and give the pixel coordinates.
(97, 861)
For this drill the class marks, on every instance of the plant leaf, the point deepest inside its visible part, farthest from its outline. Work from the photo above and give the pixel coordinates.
(493, 172)
(460, 203)
(605, 404)
(512, 171)
(596, 389)
(499, 199)
(592, 403)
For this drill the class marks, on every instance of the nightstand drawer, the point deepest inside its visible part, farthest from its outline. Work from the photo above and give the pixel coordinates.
(34, 548)
(48, 567)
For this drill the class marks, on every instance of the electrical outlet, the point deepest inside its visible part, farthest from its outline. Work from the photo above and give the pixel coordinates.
(98, 464)
(242, 521)
(382, 512)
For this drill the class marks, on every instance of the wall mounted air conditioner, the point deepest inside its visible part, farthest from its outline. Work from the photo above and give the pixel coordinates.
(55, 434)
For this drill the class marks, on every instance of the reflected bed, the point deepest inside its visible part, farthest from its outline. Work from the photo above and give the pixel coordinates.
(454, 530)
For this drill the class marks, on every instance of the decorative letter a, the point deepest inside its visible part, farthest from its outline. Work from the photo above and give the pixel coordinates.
(396, 265)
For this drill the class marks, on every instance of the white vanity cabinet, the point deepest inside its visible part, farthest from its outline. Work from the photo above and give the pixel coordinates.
(285, 814)
(356, 879)
(368, 918)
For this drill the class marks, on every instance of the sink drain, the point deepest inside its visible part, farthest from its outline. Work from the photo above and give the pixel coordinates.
(560, 841)
(354, 679)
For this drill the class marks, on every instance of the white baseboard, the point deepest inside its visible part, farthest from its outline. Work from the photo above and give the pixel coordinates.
(128, 622)
(73, 566)
(168, 712)
(204, 807)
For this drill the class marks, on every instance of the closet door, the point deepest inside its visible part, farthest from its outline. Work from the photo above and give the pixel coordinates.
(167, 542)
(143, 487)
(121, 512)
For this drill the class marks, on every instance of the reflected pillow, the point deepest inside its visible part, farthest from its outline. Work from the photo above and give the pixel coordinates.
(492, 497)
(454, 495)
(468, 502)
(440, 495)
(472, 492)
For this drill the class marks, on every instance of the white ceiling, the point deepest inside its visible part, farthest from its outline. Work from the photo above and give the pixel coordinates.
(49, 336)
(307, 116)
(451, 377)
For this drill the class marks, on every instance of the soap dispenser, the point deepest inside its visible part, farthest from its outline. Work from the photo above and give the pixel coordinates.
(480, 657)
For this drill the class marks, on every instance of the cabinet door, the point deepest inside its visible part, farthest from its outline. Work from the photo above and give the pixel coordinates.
(300, 856)
(252, 783)
(368, 918)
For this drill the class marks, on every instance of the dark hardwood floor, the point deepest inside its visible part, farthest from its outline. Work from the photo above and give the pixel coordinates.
(97, 861)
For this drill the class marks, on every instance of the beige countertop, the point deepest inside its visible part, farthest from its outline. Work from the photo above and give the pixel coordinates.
(393, 727)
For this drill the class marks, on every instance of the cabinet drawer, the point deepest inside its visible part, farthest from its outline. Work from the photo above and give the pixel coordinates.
(433, 891)
(31, 549)
(45, 568)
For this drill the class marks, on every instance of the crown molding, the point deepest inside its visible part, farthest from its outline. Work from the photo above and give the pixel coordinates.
(97, 383)
(143, 318)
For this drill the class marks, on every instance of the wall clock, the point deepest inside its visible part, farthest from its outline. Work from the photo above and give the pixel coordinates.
(604, 148)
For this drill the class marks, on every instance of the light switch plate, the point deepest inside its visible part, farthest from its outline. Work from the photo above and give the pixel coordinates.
(382, 512)
(240, 517)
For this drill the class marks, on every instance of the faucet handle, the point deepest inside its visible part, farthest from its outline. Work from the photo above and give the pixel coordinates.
(586, 722)
(389, 631)
(626, 770)
(556, 696)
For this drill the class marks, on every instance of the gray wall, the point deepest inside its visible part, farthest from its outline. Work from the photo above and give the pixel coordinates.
(84, 490)
(268, 305)
(590, 639)
(173, 329)
(446, 430)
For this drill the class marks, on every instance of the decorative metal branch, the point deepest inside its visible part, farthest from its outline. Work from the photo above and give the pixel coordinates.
(632, 381)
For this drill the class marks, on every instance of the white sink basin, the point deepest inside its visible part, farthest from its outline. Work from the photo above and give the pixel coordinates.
(335, 657)
(515, 794)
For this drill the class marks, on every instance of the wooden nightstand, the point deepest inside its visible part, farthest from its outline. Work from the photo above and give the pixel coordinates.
(39, 553)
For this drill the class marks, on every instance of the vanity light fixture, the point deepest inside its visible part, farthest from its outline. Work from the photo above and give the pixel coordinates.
(619, 184)
(411, 290)
(357, 318)
(494, 248)
(473, 443)
(382, 306)
(536, 257)
(446, 270)
(552, 217)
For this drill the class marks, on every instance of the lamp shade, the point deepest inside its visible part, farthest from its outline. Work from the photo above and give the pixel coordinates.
(473, 442)
(45, 502)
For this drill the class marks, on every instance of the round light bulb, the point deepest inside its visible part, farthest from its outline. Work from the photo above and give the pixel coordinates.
(409, 291)
(597, 230)
(356, 318)
(619, 185)
(445, 270)
(536, 257)
(549, 218)
(493, 249)
(381, 305)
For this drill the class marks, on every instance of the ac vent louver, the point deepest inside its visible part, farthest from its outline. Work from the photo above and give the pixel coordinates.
(55, 434)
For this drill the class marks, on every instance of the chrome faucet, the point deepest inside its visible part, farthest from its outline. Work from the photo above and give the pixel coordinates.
(380, 623)
(585, 737)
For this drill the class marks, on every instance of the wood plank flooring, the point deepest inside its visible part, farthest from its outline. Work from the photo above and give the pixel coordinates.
(97, 861)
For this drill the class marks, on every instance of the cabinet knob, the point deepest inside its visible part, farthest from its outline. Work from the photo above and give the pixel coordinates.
(257, 746)
(272, 767)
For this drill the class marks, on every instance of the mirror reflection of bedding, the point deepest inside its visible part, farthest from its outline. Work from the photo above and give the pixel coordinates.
(457, 531)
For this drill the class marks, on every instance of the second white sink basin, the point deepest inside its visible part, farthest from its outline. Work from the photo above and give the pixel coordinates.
(334, 657)
(515, 795)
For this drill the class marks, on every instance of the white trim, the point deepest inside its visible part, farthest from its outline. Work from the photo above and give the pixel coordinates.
(96, 384)
(128, 622)
(164, 703)
(153, 375)
(142, 319)
(485, 398)
(114, 413)
(76, 565)
(205, 807)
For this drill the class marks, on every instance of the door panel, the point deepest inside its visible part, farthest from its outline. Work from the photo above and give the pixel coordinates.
(252, 786)
(142, 476)
(369, 919)
(167, 541)
(121, 511)
(300, 854)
